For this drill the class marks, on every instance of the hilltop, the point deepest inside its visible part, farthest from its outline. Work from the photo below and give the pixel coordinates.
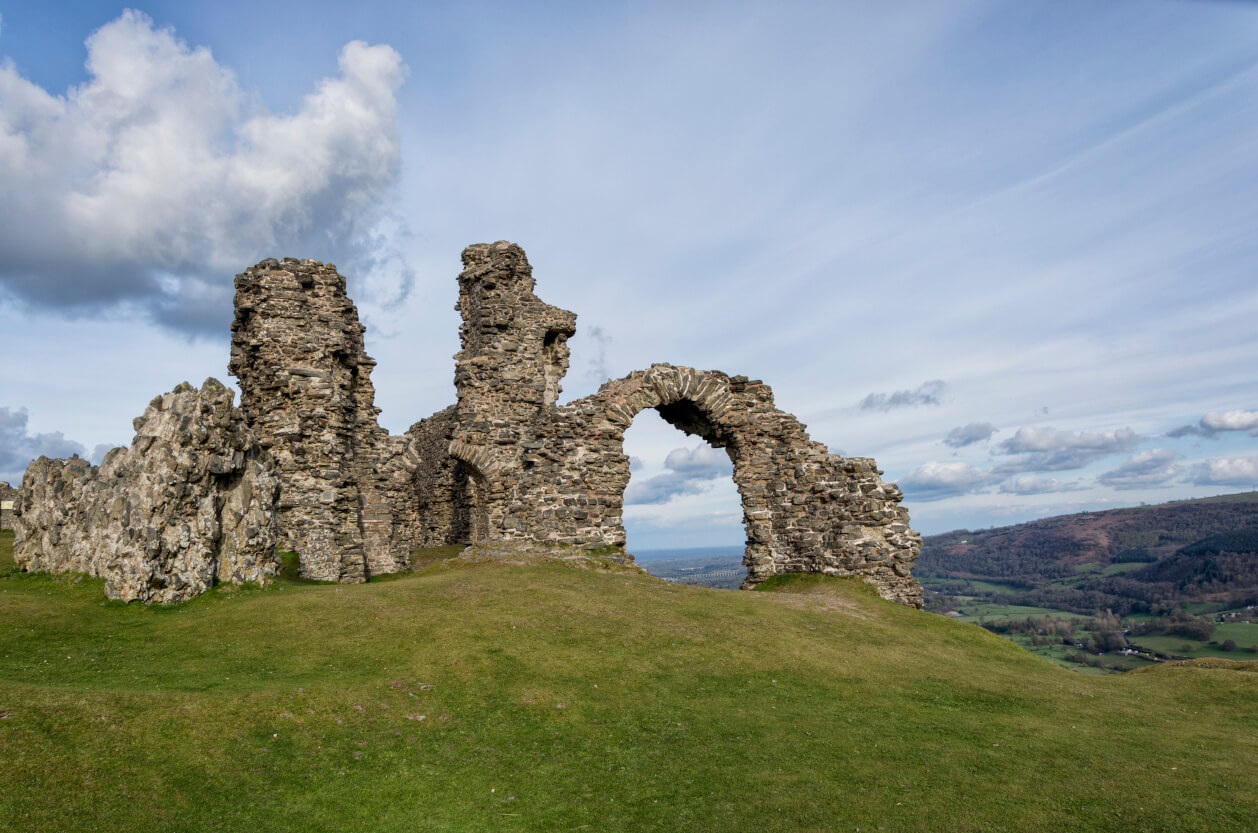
(479, 696)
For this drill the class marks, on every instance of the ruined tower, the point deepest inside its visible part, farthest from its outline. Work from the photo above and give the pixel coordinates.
(305, 379)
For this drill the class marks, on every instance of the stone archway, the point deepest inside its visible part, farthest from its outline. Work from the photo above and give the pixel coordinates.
(804, 509)
(769, 449)
(556, 474)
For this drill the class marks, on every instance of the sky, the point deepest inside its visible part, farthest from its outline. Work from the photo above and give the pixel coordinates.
(1007, 248)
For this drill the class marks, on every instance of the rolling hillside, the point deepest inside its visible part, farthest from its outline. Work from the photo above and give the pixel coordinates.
(1127, 560)
(489, 697)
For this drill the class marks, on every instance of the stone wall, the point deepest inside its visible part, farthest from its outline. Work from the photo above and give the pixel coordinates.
(305, 381)
(557, 474)
(506, 463)
(8, 495)
(191, 502)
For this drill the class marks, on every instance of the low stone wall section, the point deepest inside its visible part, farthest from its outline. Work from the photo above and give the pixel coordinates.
(192, 501)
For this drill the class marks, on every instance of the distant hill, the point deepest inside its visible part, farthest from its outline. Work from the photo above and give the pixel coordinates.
(1127, 560)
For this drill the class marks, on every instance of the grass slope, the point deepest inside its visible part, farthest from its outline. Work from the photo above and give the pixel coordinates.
(483, 697)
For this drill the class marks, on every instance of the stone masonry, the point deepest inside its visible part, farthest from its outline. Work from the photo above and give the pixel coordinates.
(191, 502)
(506, 463)
(8, 495)
(557, 473)
(305, 381)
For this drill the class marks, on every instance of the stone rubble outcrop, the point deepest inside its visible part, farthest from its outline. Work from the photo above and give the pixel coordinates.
(190, 502)
(506, 465)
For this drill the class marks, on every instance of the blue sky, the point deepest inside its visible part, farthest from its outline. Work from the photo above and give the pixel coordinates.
(1006, 248)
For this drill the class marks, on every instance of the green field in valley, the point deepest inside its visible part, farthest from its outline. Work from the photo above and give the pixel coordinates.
(1244, 635)
(486, 697)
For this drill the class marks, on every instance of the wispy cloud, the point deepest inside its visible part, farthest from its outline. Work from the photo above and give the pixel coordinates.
(928, 393)
(1028, 484)
(157, 179)
(974, 432)
(1048, 449)
(596, 372)
(1155, 467)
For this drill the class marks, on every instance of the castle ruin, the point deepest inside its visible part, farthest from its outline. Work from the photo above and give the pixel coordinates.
(506, 462)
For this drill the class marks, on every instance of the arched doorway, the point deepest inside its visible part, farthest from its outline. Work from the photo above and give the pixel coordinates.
(683, 515)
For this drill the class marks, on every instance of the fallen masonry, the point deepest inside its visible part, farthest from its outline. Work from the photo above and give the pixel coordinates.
(207, 491)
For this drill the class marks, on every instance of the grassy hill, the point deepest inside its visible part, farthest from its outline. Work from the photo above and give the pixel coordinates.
(470, 697)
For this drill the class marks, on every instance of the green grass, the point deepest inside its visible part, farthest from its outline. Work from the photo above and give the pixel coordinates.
(493, 698)
(6, 549)
(974, 585)
(1244, 634)
(1123, 567)
(978, 610)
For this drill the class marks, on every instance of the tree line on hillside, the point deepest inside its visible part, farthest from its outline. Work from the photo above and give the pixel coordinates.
(1187, 552)
(1047, 549)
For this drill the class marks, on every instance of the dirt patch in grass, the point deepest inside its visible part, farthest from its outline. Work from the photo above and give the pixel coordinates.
(526, 554)
(814, 591)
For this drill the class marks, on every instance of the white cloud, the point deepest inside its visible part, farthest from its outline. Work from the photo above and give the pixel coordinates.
(936, 481)
(691, 471)
(1155, 467)
(1227, 471)
(157, 179)
(1048, 449)
(1231, 421)
(1028, 484)
(701, 461)
(1216, 422)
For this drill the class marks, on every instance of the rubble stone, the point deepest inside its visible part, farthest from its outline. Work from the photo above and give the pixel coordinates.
(305, 381)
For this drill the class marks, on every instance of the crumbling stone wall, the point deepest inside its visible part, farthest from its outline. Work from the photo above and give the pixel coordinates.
(552, 473)
(191, 502)
(446, 495)
(192, 498)
(305, 381)
(8, 495)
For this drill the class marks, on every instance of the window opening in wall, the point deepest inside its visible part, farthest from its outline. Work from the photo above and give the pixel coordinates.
(683, 515)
